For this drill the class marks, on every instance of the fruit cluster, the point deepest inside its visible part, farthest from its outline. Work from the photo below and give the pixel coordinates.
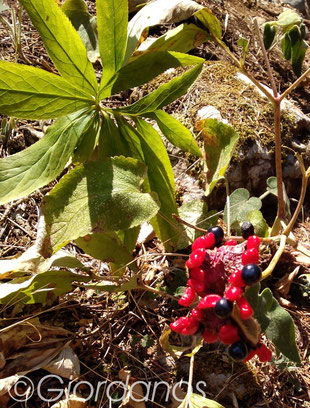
(219, 274)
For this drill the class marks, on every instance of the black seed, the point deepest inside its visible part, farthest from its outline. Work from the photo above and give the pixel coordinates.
(223, 308)
(251, 274)
(238, 351)
(247, 229)
(218, 234)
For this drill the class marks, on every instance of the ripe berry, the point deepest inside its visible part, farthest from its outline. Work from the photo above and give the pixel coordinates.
(234, 293)
(253, 242)
(250, 256)
(197, 274)
(185, 325)
(197, 257)
(188, 297)
(208, 301)
(236, 279)
(231, 242)
(250, 356)
(228, 334)
(209, 337)
(247, 230)
(218, 234)
(238, 351)
(207, 241)
(197, 285)
(251, 274)
(246, 310)
(223, 308)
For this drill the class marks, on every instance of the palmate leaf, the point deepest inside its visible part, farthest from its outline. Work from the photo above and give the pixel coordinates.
(112, 21)
(32, 93)
(62, 43)
(96, 197)
(24, 172)
(146, 67)
(241, 204)
(164, 94)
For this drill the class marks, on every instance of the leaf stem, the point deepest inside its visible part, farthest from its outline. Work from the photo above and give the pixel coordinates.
(294, 85)
(268, 271)
(270, 74)
(228, 205)
(142, 286)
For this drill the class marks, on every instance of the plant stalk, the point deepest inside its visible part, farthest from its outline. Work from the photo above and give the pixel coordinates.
(277, 132)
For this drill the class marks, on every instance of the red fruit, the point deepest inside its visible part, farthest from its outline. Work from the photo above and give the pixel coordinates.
(197, 257)
(198, 274)
(209, 301)
(188, 297)
(198, 286)
(209, 337)
(246, 310)
(250, 356)
(191, 326)
(228, 334)
(207, 241)
(253, 242)
(236, 279)
(178, 325)
(234, 293)
(198, 314)
(264, 354)
(231, 242)
(250, 256)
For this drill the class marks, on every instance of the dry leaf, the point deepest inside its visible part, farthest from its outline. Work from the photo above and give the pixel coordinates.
(134, 397)
(72, 402)
(284, 284)
(66, 364)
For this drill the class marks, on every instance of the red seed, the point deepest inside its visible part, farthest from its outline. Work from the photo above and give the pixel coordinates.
(236, 279)
(198, 274)
(246, 310)
(250, 256)
(209, 337)
(231, 242)
(197, 257)
(190, 327)
(206, 241)
(178, 325)
(198, 286)
(234, 293)
(228, 334)
(198, 314)
(250, 356)
(264, 354)
(253, 242)
(209, 301)
(188, 297)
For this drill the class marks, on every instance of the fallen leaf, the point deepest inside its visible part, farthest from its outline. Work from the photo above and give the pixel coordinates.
(73, 401)
(284, 284)
(66, 364)
(134, 397)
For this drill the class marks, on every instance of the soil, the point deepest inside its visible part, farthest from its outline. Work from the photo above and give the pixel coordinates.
(112, 331)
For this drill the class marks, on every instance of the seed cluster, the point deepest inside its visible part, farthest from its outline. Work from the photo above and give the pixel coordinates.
(219, 274)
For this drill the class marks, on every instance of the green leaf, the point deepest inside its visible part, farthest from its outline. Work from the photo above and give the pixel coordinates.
(269, 35)
(195, 213)
(148, 66)
(161, 180)
(101, 196)
(39, 287)
(105, 246)
(32, 93)
(208, 19)
(147, 341)
(62, 43)
(85, 24)
(272, 187)
(275, 321)
(175, 351)
(155, 13)
(176, 133)
(112, 21)
(241, 205)
(88, 143)
(286, 46)
(197, 401)
(3, 7)
(219, 141)
(164, 94)
(244, 44)
(260, 225)
(111, 142)
(182, 38)
(108, 286)
(24, 172)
